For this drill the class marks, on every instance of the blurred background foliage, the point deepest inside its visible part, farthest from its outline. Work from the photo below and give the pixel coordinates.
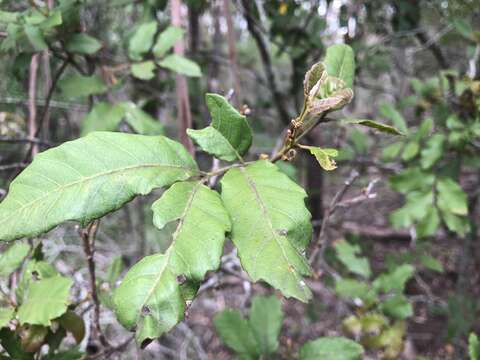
(400, 215)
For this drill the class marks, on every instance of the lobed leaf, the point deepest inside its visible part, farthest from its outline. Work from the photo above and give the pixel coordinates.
(151, 299)
(87, 178)
(271, 233)
(47, 300)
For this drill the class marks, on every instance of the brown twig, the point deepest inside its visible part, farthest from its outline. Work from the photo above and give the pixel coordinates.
(32, 108)
(88, 237)
(320, 245)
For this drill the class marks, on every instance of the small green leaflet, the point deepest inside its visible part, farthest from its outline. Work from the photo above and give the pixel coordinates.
(473, 347)
(142, 40)
(83, 44)
(167, 39)
(451, 197)
(235, 331)
(340, 62)
(397, 307)
(323, 156)
(388, 111)
(348, 254)
(12, 258)
(73, 86)
(151, 298)
(47, 300)
(375, 125)
(87, 178)
(35, 36)
(103, 117)
(265, 319)
(271, 233)
(144, 70)
(181, 65)
(331, 348)
(395, 280)
(229, 136)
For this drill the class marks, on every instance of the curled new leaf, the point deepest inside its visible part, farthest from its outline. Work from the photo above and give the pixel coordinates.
(323, 156)
(376, 125)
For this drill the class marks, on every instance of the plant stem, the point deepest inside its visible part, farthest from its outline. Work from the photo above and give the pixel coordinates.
(88, 236)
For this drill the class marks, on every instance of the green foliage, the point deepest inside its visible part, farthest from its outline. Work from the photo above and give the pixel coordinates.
(37, 202)
(142, 40)
(340, 62)
(229, 136)
(273, 231)
(334, 348)
(181, 65)
(77, 86)
(473, 347)
(47, 299)
(348, 255)
(324, 157)
(12, 258)
(83, 44)
(196, 247)
(166, 39)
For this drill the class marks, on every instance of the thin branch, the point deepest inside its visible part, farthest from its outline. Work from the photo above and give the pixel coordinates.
(320, 245)
(278, 97)
(88, 237)
(32, 107)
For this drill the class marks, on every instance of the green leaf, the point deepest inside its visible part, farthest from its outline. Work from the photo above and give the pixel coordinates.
(316, 73)
(83, 44)
(354, 289)
(144, 70)
(431, 263)
(265, 320)
(272, 232)
(12, 258)
(87, 178)
(340, 62)
(433, 151)
(323, 156)
(376, 125)
(348, 255)
(47, 300)
(12, 345)
(73, 354)
(230, 123)
(35, 36)
(394, 280)
(142, 40)
(397, 307)
(331, 348)
(213, 142)
(473, 347)
(235, 331)
(167, 39)
(181, 65)
(451, 197)
(411, 150)
(74, 324)
(34, 270)
(429, 224)
(6, 314)
(140, 121)
(103, 117)
(150, 298)
(78, 85)
(388, 111)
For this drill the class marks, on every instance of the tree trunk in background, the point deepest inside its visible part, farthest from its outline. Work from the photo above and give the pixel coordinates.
(232, 54)
(32, 106)
(278, 98)
(184, 115)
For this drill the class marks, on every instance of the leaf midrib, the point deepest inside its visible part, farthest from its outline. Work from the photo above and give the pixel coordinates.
(89, 178)
(267, 216)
